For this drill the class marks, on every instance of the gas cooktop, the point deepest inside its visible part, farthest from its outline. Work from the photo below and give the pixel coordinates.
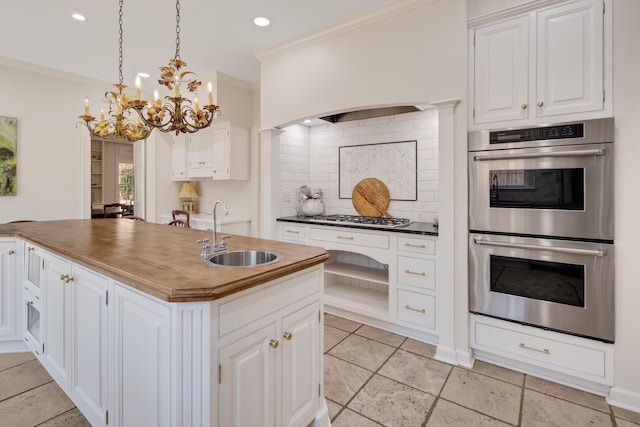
(371, 221)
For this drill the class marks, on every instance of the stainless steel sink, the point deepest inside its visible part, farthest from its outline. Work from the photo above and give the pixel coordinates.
(243, 258)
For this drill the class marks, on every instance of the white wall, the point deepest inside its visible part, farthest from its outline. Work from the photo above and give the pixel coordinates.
(51, 155)
(309, 156)
(412, 57)
(626, 65)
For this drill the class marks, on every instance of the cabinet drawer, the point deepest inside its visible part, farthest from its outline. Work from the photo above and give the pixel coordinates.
(421, 246)
(418, 309)
(545, 352)
(246, 308)
(349, 237)
(417, 272)
(292, 232)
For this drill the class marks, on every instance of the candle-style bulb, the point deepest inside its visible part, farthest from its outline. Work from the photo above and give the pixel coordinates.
(210, 93)
(138, 88)
(195, 103)
(86, 107)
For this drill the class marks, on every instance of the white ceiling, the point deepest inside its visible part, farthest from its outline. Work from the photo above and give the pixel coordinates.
(216, 35)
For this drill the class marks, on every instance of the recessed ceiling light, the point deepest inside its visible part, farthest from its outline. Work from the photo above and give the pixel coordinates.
(261, 21)
(144, 75)
(307, 121)
(78, 17)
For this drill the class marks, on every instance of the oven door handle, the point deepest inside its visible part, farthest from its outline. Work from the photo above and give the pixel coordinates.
(594, 252)
(573, 153)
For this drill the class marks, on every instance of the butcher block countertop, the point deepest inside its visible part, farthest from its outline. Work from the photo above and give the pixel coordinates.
(161, 260)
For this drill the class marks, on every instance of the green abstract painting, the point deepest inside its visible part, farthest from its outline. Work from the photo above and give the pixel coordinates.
(8, 156)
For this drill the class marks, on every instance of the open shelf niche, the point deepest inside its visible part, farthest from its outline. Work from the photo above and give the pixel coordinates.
(358, 283)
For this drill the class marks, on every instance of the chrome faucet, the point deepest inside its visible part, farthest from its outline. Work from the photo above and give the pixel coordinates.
(223, 244)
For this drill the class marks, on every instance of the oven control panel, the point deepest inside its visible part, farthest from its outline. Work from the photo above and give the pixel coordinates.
(566, 131)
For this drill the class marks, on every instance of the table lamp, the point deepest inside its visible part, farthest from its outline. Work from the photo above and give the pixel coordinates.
(188, 191)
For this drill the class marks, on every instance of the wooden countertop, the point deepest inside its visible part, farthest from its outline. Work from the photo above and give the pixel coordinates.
(161, 260)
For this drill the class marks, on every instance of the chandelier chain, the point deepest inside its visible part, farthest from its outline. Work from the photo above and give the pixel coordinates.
(177, 56)
(120, 43)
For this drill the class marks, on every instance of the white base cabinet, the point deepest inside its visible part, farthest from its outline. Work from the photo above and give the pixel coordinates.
(270, 371)
(575, 361)
(385, 279)
(125, 358)
(10, 297)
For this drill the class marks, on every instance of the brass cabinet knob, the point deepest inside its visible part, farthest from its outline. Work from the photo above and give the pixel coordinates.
(29, 302)
(11, 252)
(287, 336)
(69, 279)
(540, 103)
(523, 106)
(274, 343)
(30, 249)
(63, 276)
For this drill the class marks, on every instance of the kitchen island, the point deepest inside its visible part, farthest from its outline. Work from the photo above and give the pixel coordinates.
(138, 330)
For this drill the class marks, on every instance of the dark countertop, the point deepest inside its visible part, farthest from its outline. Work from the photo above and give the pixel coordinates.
(161, 260)
(423, 228)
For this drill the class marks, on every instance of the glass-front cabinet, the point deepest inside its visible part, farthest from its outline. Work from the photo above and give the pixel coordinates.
(32, 298)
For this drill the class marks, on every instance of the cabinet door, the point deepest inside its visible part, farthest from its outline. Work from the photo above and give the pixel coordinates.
(8, 291)
(247, 380)
(89, 349)
(57, 301)
(179, 157)
(570, 59)
(501, 74)
(301, 354)
(201, 154)
(221, 141)
(142, 361)
(33, 269)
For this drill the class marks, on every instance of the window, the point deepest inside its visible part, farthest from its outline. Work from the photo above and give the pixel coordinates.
(126, 179)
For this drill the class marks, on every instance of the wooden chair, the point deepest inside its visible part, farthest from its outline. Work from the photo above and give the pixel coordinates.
(179, 223)
(113, 210)
(176, 214)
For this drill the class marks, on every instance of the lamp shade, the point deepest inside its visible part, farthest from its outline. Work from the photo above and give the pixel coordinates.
(188, 191)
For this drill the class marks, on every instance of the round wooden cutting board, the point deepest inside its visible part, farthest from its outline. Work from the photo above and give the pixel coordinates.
(370, 197)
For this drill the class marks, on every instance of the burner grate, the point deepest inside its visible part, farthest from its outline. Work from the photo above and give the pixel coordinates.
(373, 221)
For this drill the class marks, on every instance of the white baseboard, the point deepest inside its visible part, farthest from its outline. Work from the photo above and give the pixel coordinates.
(17, 346)
(625, 399)
(465, 359)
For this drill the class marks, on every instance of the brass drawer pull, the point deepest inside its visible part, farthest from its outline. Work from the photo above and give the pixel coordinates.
(345, 237)
(274, 343)
(11, 252)
(411, 245)
(287, 336)
(408, 307)
(292, 231)
(417, 274)
(545, 350)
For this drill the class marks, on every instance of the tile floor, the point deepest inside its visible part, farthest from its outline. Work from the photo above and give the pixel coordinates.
(372, 378)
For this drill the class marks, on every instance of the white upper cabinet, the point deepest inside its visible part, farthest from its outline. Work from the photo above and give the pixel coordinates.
(501, 76)
(231, 158)
(179, 169)
(570, 59)
(530, 65)
(200, 154)
(221, 152)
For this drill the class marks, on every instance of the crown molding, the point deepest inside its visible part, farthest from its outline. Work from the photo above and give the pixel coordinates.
(380, 14)
(50, 72)
(510, 12)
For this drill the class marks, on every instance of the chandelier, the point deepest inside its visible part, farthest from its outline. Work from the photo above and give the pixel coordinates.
(119, 124)
(176, 114)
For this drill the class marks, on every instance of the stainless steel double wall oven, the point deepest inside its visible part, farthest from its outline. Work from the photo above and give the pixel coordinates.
(541, 226)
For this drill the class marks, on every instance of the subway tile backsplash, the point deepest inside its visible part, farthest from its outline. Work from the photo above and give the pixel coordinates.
(309, 156)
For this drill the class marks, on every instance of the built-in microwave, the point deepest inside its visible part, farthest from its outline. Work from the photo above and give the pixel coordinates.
(554, 180)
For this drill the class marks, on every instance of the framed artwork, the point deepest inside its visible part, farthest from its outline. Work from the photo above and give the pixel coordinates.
(8, 156)
(380, 161)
